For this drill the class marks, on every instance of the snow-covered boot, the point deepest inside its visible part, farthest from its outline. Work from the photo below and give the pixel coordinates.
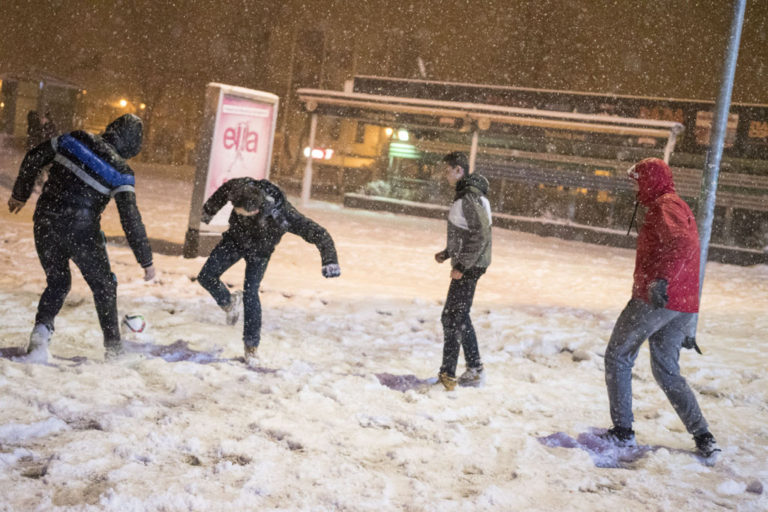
(251, 357)
(473, 377)
(233, 308)
(39, 339)
(113, 351)
(620, 436)
(448, 381)
(706, 446)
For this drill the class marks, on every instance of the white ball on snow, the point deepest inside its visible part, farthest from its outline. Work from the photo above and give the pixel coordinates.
(134, 323)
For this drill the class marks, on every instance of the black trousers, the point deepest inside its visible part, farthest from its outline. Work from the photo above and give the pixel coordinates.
(224, 255)
(458, 331)
(76, 237)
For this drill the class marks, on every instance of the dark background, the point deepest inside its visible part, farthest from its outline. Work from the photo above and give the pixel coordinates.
(163, 53)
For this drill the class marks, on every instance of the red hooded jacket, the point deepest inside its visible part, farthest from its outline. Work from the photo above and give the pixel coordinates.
(668, 242)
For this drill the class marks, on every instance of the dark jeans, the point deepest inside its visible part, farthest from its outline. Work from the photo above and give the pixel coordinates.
(223, 256)
(76, 238)
(457, 326)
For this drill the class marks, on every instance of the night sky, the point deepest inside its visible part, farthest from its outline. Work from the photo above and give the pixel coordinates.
(163, 53)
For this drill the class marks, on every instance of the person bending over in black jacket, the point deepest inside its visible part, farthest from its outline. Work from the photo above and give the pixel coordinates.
(261, 215)
(86, 172)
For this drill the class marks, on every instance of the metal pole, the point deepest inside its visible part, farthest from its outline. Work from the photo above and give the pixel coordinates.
(473, 151)
(671, 141)
(719, 124)
(306, 186)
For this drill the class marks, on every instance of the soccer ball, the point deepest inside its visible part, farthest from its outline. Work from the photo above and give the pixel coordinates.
(134, 323)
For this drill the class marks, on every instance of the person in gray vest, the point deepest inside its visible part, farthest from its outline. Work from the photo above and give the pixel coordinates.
(469, 249)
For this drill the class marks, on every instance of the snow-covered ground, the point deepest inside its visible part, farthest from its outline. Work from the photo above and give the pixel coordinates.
(338, 417)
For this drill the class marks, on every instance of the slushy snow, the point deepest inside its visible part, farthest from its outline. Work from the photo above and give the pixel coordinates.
(341, 414)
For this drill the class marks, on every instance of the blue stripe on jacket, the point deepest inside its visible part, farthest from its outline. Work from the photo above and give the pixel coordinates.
(94, 163)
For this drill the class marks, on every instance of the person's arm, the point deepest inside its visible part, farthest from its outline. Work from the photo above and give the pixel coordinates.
(135, 232)
(217, 201)
(478, 237)
(37, 158)
(315, 234)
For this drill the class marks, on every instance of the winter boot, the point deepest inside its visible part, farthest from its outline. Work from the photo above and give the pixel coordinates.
(448, 381)
(473, 377)
(706, 446)
(251, 357)
(620, 436)
(233, 308)
(39, 339)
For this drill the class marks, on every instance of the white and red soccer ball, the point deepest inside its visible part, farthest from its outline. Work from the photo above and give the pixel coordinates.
(134, 323)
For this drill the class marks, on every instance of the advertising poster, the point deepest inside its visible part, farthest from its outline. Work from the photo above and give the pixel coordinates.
(236, 141)
(242, 141)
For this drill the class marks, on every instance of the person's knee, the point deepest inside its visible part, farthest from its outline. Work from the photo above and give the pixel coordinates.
(61, 281)
(448, 318)
(205, 279)
(668, 377)
(105, 288)
(616, 358)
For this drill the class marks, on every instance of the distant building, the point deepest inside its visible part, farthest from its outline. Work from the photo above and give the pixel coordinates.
(23, 92)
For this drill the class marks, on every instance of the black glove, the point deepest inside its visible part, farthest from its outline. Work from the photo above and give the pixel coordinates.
(206, 218)
(690, 343)
(657, 293)
(331, 270)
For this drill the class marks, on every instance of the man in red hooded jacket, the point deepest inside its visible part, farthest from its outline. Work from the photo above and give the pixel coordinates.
(665, 300)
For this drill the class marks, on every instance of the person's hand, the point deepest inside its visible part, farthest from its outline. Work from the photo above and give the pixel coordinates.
(149, 273)
(331, 270)
(456, 274)
(657, 293)
(441, 256)
(14, 205)
(206, 218)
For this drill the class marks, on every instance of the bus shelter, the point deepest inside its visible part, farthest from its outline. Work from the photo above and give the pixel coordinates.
(565, 150)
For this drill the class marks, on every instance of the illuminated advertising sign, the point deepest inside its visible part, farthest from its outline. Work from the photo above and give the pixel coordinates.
(236, 140)
(242, 141)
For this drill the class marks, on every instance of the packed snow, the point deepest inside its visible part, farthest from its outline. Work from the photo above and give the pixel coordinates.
(342, 413)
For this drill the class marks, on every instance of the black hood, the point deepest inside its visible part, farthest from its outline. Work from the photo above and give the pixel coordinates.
(125, 134)
(250, 197)
(475, 181)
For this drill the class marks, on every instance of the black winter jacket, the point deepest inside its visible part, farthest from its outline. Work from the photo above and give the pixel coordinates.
(260, 233)
(86, 172)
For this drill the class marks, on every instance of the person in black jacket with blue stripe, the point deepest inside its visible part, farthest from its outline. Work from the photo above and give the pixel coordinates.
(260, 217)
(86, 172)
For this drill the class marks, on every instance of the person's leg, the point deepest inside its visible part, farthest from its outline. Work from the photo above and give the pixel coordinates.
(635, 324)
(89, 253)
(54, 258)
(465, 328)
(224, 255)
(665, 354)
(254, 272)
(456, 323)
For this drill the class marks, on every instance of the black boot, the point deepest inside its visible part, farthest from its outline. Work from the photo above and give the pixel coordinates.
(620, 436)
(706, 446)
